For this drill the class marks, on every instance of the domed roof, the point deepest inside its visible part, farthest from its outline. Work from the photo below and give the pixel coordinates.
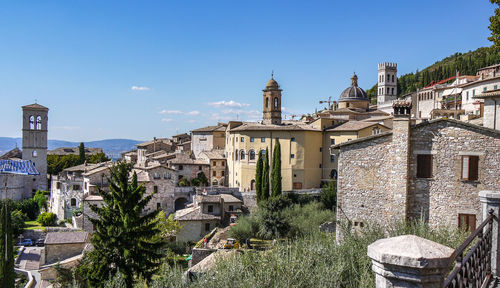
(272, 83)
(354, 92)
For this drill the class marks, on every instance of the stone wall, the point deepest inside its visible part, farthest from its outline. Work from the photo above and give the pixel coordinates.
(199, 254)
(441, 198)
(58, 252)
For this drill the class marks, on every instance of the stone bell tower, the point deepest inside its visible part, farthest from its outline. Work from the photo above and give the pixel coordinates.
(272, 103)
(387, 82)
(35, 120)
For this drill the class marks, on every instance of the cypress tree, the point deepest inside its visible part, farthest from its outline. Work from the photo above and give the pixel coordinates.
(81, 153)
(276, 173)
(7, 275)
(125, 240)
(265, 176)
(258, 178)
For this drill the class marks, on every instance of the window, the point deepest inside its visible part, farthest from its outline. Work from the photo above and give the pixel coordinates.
(292, 139)
(207, 226)
(333, 174)
(32, 122)
(267, 102)
(181, 167)
(155, 189)
(376, 130)
(276, 102)
(58, 185)
(38, 123)
(200, 168)
(252, 139)
(242, 155)
(470, 168)
(236, 139)
(424, 166)
(34, 154)
(332, 141)
(210, 208)
(484, 89)
(297, 185)
(242, 139)
(393, 79)
(214, 163)
(157, 175)
(158, 205)
(76, 187)
(214, 173)
(332, 158)
(473, 92)
(263, 152)
(230, 208)
(73, 202)
(387, 90)
(168, 175)
(251, 155)
(263, 139)
(495, 87)
(467, 221)
(222, 163)
(85, 186)
(392, 90)
(467, 96)
(222, 173)
(292, 156)
(236, 155)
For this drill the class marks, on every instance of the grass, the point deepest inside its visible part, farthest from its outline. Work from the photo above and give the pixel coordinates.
(33, 225)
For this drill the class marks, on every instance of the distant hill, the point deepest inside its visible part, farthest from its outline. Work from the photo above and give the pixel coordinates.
(466, 63)
(112, 147)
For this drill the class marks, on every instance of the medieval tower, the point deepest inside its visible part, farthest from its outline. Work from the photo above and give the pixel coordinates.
(272, 103)
(35, 120)
(387, 83)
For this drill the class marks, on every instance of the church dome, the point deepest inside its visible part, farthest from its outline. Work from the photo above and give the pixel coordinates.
(354, 93)
(272, 83)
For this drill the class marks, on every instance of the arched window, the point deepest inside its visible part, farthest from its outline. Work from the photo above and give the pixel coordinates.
(392, 78)
(333, 174)
(376, 131)
(387, 90)
(275, 102)
(267, 102)
(38, 123)
(34, 153)
(392, 91)
(251, 155)
(242, 155)
(32, 122)
(73, 202)
(263, 152)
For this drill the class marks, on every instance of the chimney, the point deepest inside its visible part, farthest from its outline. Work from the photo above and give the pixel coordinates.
(400, 156)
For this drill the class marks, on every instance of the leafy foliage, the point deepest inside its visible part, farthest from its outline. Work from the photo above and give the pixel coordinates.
(18, 224)
(125, 240)
(276, 173)
(184, 182)
(7, 274)
(57, 163)
(81, 153)
(28, 207)
(495, 25)
(329, 195)
(47, 219)
(41, 199)
(247, 227)
(258, 178)
(265, 176)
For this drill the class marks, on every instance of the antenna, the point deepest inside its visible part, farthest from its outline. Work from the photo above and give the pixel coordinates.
(329, 101)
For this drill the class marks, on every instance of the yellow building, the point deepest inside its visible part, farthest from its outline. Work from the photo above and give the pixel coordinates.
(306, 160)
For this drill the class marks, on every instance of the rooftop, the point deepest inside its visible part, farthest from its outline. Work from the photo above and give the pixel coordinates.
(353, 126)
(66, 237)
(193, 214)
(286, 126)
(36, 106)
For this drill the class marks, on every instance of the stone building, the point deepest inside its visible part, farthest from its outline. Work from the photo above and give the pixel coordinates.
(218, 169)
(472, 104)
(208, 138)
(145, 149)
(433, 170)
(187, 167)
(74, 151)
(491, 115)
(62, 245)
(387, 86)
(206, 213)
(35, 128)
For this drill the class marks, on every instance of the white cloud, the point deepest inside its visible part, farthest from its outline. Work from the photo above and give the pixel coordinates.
(167, 120)
(241, 112)
(175, 112)
(139, 88)
(230, 103)
(193, 113)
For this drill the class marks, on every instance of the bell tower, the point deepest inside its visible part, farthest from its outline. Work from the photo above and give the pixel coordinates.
(35, 120)
(272, 103)
(387, 82)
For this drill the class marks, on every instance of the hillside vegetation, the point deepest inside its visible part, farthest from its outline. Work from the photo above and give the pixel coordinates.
(466, 63)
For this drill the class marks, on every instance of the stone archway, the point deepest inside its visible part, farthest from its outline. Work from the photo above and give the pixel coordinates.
(333, 174)
(180, 203)
(252, 185)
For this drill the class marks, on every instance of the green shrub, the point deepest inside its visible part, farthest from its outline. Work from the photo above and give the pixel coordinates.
(184, 182)
(47, 219)
(28, 207)
(18, 224)
(328, 195)
(246, 227)
(305, 220)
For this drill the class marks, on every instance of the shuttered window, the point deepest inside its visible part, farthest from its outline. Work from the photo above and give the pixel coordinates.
(467, 221)
(470, 165)
(424, 166)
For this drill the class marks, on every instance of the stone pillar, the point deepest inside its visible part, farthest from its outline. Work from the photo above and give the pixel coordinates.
(409, 261)
(491, 200)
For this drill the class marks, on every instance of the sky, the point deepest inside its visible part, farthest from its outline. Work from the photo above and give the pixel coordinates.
(144, 69)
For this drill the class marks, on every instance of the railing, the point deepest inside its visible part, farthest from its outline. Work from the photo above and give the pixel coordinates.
(473, 270)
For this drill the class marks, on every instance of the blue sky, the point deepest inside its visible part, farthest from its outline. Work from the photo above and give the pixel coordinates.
(138, 69)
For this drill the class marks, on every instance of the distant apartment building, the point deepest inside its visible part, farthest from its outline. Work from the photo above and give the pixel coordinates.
(208, 138)
(218, 168)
